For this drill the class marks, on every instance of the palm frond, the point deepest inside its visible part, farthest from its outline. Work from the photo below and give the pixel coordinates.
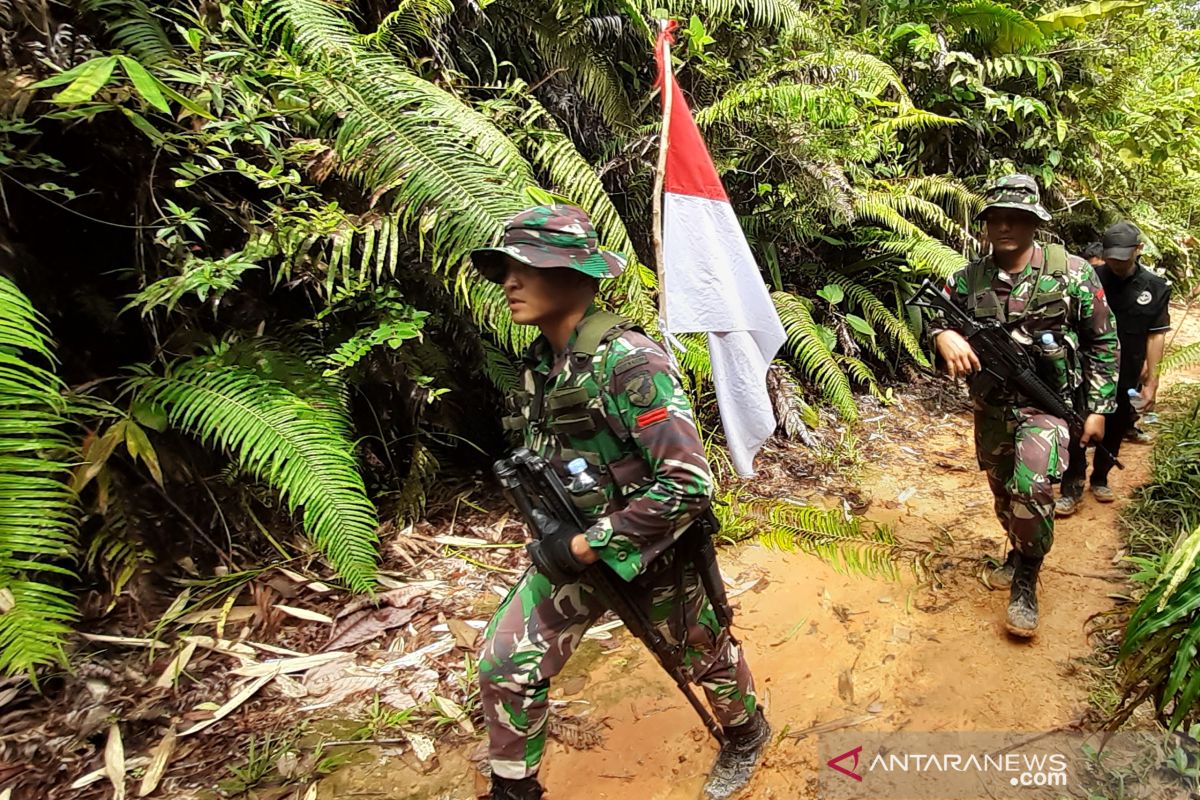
(838, 539)
(881, 317)
(1180, 358)
(812, 356)
(450, 175)
(276, 436)
(771, 13)
(948, 192)
(37, 507)
(860, 72)
(134, 27)
(752, 100)
(1000, 27)
(925, 255)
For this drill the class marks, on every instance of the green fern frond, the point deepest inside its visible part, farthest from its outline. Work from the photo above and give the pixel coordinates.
(500, 368)
(134, 27)
(1180, 358)
(1000, 27)
(421, 478)
(925, 255)
(830, 535)
(592, 74)
(933, 219)
(451, 176)
(812, 356)
(411, 24)
(297, 363)
(911, 119)
(881, 317)
(280, 438)
(750, 101)
(782, 14)
(37, 508)
(860, 72)
(948, 192)
(1040, 68)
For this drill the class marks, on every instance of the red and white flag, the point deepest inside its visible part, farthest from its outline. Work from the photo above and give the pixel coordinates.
(711, 282)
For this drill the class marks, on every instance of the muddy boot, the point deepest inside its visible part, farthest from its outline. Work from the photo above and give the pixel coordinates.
(1002, 576)
(1022, 605)
(1066, 505)
(735, 763)
(1103, 494)
(523, 789)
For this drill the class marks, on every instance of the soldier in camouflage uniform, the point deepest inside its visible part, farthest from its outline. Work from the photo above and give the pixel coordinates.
(597, 388)
(1052, 304)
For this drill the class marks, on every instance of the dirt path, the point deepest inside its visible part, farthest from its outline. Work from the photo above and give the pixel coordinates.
(922, 657)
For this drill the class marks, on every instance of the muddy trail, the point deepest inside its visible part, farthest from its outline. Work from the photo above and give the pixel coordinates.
(921, 653)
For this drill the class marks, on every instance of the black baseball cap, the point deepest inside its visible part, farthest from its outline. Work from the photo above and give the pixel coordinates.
(1121, 241)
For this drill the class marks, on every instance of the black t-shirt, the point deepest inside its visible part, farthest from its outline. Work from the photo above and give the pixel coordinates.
(1140, 304)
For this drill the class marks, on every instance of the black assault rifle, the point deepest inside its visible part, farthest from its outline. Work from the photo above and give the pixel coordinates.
(1004, 362)
(531, 484)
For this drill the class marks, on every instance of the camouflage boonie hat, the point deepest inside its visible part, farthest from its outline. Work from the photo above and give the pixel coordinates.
(549, 237)
(1019, 192)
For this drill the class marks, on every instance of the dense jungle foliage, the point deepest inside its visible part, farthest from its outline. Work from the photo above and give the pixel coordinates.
(232, 234)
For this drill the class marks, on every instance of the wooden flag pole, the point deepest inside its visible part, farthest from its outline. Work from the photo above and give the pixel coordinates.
(668, 89)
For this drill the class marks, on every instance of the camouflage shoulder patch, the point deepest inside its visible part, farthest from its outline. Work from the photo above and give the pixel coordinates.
(640, 389)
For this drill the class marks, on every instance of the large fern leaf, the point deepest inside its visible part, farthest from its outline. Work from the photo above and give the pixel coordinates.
(134, 27)
(837, 539)
(812, 356)
(277, 437)
(1182, 358)
(881, 318)
(37, 509)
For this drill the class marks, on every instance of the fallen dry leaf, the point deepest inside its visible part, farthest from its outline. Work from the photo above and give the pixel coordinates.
(361, 621)
(464, 634)
(304, 614)
(286, 666)
(234, 702)
(176, 667)
(159, 760)
(114, 761)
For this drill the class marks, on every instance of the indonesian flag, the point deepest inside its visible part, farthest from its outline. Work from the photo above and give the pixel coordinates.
(711, 281)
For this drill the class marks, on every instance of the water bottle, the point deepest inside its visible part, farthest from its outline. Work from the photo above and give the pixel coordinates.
(585, 490)
(1054, 356)
(1136, 400)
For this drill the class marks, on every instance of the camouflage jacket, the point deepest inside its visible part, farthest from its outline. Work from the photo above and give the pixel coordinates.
(1035, 300)
(625, 411)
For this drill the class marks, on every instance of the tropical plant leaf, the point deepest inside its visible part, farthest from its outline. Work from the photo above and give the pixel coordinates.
(37, 508)
(276, 436)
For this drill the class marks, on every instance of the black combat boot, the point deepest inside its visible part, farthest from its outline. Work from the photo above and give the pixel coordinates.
(743, 747)
(1022, 605)
(523, 789)
(1002, 576)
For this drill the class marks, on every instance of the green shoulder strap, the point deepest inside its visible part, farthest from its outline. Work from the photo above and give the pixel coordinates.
(1056, 260)
(598, 329)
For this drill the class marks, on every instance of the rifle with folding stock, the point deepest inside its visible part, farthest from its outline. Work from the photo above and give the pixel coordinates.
(531, 484)
(1004, 362)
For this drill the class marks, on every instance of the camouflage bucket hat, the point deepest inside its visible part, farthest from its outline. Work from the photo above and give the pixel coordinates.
(1018, 192)
(549, 237)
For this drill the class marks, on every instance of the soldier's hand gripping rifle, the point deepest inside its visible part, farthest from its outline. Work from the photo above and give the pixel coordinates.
(1002, 359)
(531, 484)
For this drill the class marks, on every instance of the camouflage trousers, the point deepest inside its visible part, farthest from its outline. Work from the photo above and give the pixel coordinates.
(1024, 453)
(539, 626)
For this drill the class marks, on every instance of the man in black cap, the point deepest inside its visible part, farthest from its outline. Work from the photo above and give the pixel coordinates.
(1139, 299)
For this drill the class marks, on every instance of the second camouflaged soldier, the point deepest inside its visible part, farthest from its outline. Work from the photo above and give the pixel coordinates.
(597, 389)
(1052, 304)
